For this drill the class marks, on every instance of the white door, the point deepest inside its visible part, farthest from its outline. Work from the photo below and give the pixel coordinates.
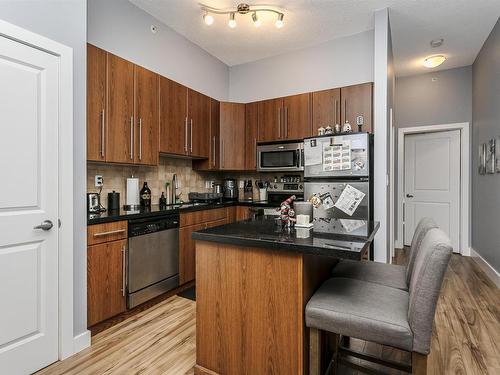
(29, 94)
(432, 182)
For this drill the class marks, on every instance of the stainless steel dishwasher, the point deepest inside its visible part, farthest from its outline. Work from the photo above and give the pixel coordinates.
(152, 257)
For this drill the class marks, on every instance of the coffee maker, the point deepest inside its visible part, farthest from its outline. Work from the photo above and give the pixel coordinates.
(94, 203)
(230, 190)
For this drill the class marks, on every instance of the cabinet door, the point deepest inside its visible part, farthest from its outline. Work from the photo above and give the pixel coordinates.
(105, 281)
(120, 119)
(357, 106)
(297, 116)
(96, 103)
(243, 213)
(173, 117)
(187, 253)
(232, 136)
(251, 135)
(214, 134)
(270, 120)
(325, 109)
(199, 124)
(147, 117)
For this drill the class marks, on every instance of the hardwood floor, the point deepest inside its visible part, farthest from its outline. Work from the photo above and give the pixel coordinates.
(161, 340)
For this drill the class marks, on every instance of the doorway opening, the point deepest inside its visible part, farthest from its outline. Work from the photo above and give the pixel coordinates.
(433, 180)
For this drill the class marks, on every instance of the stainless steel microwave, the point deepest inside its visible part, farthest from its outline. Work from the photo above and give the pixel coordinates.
(280, 156)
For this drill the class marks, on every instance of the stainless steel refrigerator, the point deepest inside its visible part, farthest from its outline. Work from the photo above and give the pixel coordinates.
(338, 175)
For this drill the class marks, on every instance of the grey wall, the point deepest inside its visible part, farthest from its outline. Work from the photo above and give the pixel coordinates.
(120, 27)
(420, 101)
(486, 125)
(340, 62)
(65, 21)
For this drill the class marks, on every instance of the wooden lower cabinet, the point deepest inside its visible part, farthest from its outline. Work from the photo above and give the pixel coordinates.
(105, 281)
(243, 213)
(187, 254)
(191, 222)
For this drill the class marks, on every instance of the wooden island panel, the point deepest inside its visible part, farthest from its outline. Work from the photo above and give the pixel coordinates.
(250, 309)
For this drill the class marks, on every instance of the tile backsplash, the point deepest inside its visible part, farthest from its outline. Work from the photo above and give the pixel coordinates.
(115, 176)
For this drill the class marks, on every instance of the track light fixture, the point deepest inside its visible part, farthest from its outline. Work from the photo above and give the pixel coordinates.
(241, 9)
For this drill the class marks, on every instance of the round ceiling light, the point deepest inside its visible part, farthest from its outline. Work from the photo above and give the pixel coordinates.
(256, 21)
(279, 22)
(232, 21)
(208, 18)
(434, 61)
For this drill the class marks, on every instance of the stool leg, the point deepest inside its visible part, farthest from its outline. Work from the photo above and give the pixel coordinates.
(314, 351)
(418, 364)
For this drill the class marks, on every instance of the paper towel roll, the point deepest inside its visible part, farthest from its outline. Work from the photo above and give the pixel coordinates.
(132, 191)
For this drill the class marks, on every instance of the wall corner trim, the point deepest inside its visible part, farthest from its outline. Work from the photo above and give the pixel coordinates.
(81, 342)
(492, 274)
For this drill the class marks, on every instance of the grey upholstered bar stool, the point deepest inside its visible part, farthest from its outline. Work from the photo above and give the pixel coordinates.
(386, 274)
(378, 313)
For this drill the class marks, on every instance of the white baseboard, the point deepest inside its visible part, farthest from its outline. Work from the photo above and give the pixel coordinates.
(486, 267)
(81, 341)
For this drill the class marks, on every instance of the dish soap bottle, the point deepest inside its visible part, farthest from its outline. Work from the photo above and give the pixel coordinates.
(145, 195)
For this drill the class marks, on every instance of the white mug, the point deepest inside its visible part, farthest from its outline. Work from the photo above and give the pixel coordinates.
(303, 219)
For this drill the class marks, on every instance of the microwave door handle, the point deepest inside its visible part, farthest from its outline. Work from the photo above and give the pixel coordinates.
(298, 159)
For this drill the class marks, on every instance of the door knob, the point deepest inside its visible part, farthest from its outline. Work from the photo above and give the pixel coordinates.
(46, 225)
(409, 196)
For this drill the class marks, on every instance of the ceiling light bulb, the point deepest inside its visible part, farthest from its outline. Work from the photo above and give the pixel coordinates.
(434, 61)
(208, 18)
(279, 22)
(256, 21)
(232, 21)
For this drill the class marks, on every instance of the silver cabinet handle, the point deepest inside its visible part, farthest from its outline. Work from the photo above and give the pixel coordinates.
(109, 233)
(140, 138)
(336, 112)
(255, 151)
(223, 158)
(46, 225)
(345, 110)
(124, 270)
(131, 137)
(102, 133)
(213, 152)
(279, 122)
(186, 134)
(286, 123)
(191, 136)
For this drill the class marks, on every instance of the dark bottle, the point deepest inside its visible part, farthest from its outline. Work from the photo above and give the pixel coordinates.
(163, 199)
(145, 196)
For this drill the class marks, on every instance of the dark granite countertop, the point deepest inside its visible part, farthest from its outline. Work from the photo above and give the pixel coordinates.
(156, 210)
(339, 238)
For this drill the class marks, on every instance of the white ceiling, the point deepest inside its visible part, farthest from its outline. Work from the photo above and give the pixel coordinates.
(464, 24)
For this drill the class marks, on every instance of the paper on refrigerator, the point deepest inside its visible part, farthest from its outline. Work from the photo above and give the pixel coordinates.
(337, 157)
(312, 153)
(349, 200)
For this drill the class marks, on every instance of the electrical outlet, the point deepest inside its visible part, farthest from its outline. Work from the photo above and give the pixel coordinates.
(99, 181)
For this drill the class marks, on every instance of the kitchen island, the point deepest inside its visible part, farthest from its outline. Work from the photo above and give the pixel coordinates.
(253, 280)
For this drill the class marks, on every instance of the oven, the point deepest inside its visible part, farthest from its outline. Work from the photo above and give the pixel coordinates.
(280, 156)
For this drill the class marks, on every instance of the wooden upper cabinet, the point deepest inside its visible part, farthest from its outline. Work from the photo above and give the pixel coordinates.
(96, 103)
(199, 124)
(213, 161)
(147, 116)
(270, 120)
(173, 117)
(251, 135)
(325, 109)
(120, 117)
(232, 136)
(297, 116)
(357, 106)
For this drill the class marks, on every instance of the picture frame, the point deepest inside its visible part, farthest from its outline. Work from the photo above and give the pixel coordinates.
(482, 159)
(490, 157)
(497, 153)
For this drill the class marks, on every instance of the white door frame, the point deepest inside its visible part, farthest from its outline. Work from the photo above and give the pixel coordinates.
(65, 239)
(464, 178)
